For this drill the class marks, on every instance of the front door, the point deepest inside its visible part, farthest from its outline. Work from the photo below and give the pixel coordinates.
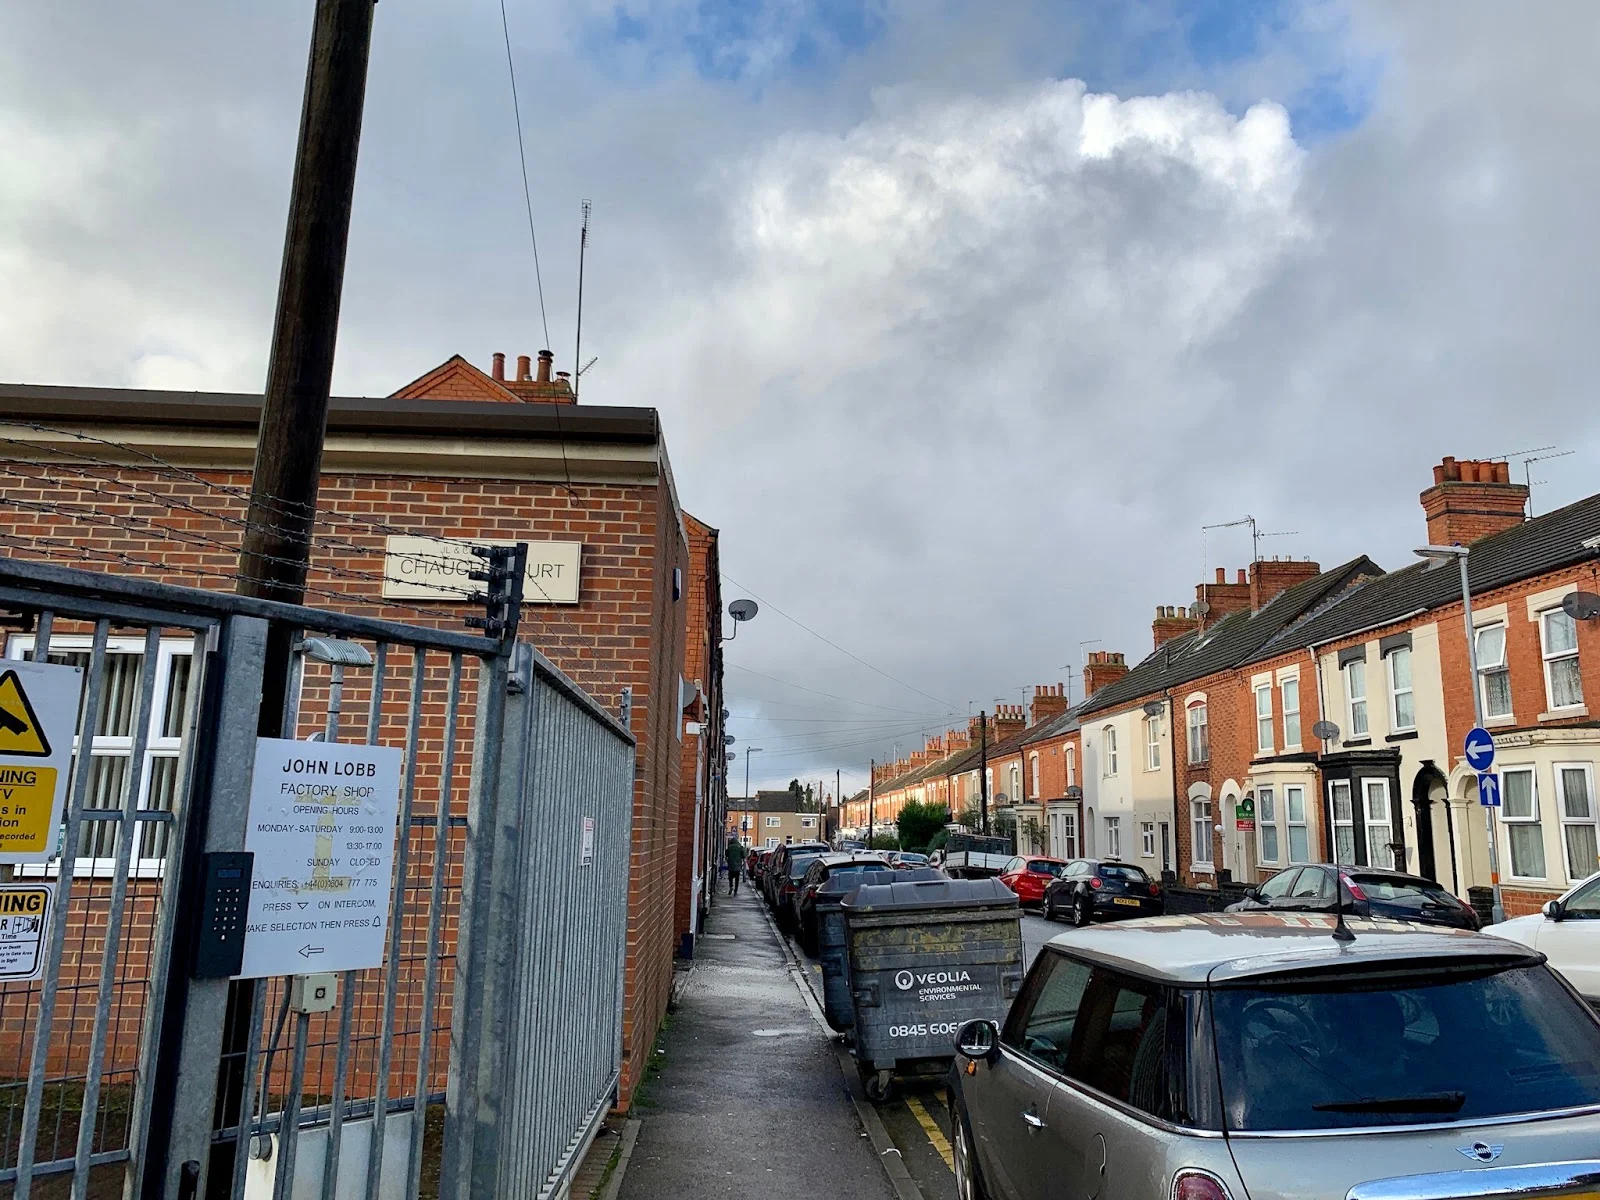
(1022, 1153)
(1166, 846)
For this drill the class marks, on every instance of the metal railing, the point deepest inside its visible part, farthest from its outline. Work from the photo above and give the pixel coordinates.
(514, 828)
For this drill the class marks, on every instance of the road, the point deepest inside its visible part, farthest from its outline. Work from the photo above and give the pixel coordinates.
(918, 1119)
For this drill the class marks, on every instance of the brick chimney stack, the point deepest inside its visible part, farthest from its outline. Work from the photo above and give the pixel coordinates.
(1049, 702)
(1009, 719)
(1103, 667)
(1172, 621)
(1223, 597)
(1471, 499)
(1269, 580)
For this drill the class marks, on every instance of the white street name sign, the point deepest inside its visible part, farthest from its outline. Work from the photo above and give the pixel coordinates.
(422, 568)
(322, 829)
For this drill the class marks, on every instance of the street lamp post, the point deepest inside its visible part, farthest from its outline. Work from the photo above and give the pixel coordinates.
(1459, 553)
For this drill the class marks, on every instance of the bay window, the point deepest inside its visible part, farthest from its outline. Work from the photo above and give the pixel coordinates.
(1267, 824)
(1294, 810)
(1380, 826)
(1344, 826)
(1575, 785)
(1519, 812)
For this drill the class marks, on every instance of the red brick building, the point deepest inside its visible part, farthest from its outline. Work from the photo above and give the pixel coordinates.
(703, 789)
(155, 483)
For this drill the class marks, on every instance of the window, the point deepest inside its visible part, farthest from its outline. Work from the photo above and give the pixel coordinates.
(1494, 677)
(1575, 783)
(110, 754)
(771, 842)
(1016, 782)
(1380, 829)
(1147, 839)
(1584, 904)
(1267, 824)
(808, 822)
(1072, 766)
(1119, 1043)
(1200, 823)
(1519, 811)
(1355, 690)
(1277, 888)
(1152, 743)
(1344, 826)
(1559, 639)
(1069, 835)
(1313, 885)
(1035, 765)
(1110, 734)
(1113, 837)
(1291, 712)
(1264, 718)
(1294, 806)
(1402, 704)
(1041, 1021)
(1199, 734)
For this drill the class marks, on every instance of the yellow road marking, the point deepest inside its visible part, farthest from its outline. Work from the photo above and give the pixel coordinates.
(935, 1134)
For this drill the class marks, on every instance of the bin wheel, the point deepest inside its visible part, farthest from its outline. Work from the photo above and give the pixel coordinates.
(1082, 914)
(879, 1086)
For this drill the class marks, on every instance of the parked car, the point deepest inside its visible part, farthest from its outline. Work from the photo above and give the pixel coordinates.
(1364, 892)
(818, 873)
(787, 883)
(974, 856)
(1028, 876)
(906, 860)
(1567, 932)
(1089, 887)
(1257, 1056)
(850, 845)
(754, 863)
(777, 868)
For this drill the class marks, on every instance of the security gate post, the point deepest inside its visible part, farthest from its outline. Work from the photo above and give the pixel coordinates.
(185, 1080)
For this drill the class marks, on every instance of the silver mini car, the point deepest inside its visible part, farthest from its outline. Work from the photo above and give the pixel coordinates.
(1264, 1056)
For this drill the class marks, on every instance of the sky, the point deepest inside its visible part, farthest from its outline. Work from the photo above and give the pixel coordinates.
(963, 318)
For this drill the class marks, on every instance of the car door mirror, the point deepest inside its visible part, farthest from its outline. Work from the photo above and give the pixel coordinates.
(1555, 910)
(1252, 893)
(979, 1039)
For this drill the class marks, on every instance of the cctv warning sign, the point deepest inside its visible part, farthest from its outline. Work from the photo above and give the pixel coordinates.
(24, 917)
(38, 717)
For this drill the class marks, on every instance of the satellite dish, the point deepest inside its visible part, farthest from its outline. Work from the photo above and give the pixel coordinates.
(743, 610)
(729, 740)
(732, 756)
(1581, 606)
(726, 714)
(1326, 730)
(1201, 608)
(1000, 798)
(1074, 792)
(1154, 708)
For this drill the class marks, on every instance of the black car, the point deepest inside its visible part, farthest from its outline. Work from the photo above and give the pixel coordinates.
(1088, 888)
(818, 873)
(786, 882)
(1364, 891)
(776, 868)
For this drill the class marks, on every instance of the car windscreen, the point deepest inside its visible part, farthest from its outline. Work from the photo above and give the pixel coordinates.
(1392, 889)
(1124, 873)
(1040, 867)
(1465, 1045)
(799, 864)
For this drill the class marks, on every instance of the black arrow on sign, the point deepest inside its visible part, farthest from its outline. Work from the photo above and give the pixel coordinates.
(308, 950)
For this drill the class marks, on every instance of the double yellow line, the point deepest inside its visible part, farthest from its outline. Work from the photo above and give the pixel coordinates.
(929, 1127)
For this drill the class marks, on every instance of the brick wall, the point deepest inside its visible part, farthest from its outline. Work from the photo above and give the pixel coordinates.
(702, 752)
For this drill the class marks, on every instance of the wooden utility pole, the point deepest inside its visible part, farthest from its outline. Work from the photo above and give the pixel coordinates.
(872, 796)
(294, 412)
(983, 772)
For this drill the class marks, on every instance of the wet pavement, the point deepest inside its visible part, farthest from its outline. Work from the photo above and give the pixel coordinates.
(749, 1099)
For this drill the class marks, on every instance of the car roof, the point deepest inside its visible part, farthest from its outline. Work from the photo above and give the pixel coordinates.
(839, 860)
(1219, 947)
(1043, 858)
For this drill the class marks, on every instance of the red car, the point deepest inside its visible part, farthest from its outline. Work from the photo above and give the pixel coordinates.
(1029, 875)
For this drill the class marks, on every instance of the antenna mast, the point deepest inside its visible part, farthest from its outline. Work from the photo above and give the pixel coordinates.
(1527, 470)
(577, 349)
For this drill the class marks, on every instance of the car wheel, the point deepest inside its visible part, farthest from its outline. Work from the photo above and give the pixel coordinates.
(968, 1186)
(1047, 909)
(1082, 911)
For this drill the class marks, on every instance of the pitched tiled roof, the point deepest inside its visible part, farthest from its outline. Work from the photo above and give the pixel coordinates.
(1532, 548)
(1063, 723)
(1233, 640)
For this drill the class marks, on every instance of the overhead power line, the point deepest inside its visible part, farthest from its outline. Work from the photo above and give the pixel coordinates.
(829, 695)
(522, 156)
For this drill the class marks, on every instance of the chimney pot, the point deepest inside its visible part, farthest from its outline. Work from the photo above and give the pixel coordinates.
(1243, 577)
(524, 368)
(499, 367)
(1222, 574)
(546, 361)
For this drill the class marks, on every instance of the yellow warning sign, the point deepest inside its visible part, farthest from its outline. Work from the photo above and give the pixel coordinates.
(27, 808)
(21, 734)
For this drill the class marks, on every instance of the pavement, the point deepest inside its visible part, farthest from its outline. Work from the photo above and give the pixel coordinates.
(749, 1098)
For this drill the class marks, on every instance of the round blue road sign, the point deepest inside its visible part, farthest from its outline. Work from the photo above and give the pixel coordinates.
(1480, 748)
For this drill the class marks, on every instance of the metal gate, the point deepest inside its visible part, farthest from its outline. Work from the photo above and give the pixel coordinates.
(120, 1069)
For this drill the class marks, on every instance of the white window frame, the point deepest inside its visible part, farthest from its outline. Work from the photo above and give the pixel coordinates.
(1267, 819)
(1109, 746)
(1550, 657)
(1291, 734)
(1152, 743)
(1199, 723)
(774, 823)
(1069, 833)
(157, 747)
(1072, 765)
(1576, 873)
(1533, 818)
(771, 843)
(1114, 837)
(1033, 763)
(1347, 787)
(1016, 782)
(808, 822)
(1395, 692)
(1291, 790)
(1356, 702)
(1264, 732)
(1500, 666)
(1147, 839)
(1368, 782)
(1200, 818)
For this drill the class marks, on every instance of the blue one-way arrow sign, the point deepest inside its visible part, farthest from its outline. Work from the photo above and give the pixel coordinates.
(1480, 749)
(1489, 791)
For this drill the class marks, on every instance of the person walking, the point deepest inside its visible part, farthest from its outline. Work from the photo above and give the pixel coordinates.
(733, 856)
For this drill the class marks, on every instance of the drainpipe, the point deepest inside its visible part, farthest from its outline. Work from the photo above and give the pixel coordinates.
(1322, 710)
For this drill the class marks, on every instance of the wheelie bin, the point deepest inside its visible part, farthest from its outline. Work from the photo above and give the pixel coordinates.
(831, 953)
(923, 957)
